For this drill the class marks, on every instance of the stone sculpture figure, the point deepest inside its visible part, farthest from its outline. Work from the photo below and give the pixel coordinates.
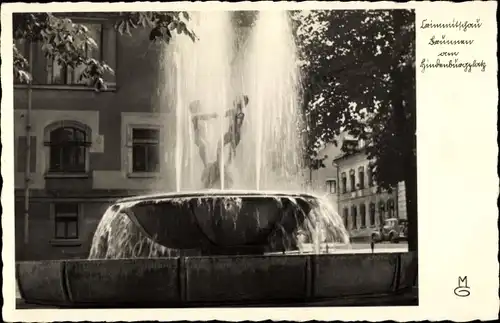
(211, 175)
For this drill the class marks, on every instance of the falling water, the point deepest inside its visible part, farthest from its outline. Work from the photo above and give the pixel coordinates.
(214, 72)
(199, 71)
(270, 151)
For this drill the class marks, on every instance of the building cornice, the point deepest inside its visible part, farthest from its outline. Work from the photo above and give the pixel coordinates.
(350, 154)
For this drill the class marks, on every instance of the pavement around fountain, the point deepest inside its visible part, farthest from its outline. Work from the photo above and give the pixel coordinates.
(357, 248)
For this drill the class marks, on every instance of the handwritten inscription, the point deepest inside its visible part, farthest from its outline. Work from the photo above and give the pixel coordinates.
(448, 48)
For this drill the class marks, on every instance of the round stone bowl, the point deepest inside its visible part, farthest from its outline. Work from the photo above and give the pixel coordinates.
(219, 222)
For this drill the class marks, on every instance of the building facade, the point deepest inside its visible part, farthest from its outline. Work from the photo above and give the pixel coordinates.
(86, 148)
(325, 179)
(348, 179)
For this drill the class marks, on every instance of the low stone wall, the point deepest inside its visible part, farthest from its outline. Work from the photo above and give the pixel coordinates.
(125, 281)
(42, 282)
(246, 278)
(205, 280)
(348, 275)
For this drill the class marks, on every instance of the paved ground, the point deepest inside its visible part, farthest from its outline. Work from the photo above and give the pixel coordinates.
(359, 248)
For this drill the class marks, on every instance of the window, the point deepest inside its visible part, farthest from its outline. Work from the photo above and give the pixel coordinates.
(361, 175)
(331, 186)
(352, 176)
(362, 211)
(66, 221)
(372, 214)
(344, 183)
(370, 176)
(145, 150)
(345, 216)
(381, 209)
(354, 215)
(68, 149)
(390, 208)
(59, 74)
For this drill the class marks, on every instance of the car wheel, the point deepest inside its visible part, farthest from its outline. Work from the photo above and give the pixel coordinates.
(391, 238)
(374, 238)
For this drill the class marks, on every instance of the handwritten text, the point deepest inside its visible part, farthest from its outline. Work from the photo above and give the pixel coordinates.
(448, 48)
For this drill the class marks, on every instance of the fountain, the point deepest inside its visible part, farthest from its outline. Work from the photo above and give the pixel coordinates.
(230, 232)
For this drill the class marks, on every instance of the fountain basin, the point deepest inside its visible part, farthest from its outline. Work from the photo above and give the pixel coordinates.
(215, 222)
(218, 280)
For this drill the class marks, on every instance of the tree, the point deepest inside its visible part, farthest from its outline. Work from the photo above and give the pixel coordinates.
(68, 43)
(359, 77)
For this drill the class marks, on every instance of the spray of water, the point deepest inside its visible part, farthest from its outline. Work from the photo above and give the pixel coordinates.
(269, 156)
(117, 237)
(198, 84)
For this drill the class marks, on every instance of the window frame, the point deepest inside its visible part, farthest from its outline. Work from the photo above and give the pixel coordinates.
(87, 144)
(354, 216)
(381, 211)
(371, 181)
(104, 54)
(49, 64)
(372, 214)
(362, 213)
(129, 145)
(361, 177)
(352, 180)
(331, 183)
(344, 182)
(345, 215)
(65, 241)
(390, 207)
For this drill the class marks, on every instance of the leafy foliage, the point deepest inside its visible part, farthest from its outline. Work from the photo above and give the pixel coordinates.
(68, 43)
(315, 162)
(359, 77)
(162, 24)
(358, 69)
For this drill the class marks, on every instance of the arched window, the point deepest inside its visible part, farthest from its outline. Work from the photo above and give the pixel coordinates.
(354, 215)
(372, 214)
(352, 177)
(362, 211)
(68, 143)
(361, 175)
(345, 216)
(344, 183)
(390, 208)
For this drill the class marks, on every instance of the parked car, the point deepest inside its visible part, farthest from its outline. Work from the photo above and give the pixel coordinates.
(393, 230)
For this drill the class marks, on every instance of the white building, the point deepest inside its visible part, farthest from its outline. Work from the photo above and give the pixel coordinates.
(347, 178)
